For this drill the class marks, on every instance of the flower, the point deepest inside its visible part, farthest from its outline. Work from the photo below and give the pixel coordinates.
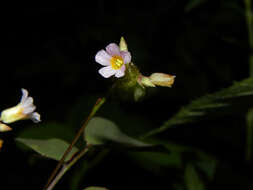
(24, 110)
(114, 61)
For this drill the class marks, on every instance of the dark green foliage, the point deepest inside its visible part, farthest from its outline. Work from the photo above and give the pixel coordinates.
(216, 104)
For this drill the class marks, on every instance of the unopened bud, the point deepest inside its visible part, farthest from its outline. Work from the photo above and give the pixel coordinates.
(161, 79)
(123, 45)
(145, 81)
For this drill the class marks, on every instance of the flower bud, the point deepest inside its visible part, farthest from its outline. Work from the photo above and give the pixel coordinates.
(145, 81)
(161, 79)
(123, 45)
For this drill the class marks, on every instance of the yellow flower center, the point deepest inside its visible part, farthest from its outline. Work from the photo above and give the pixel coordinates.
(116, 62)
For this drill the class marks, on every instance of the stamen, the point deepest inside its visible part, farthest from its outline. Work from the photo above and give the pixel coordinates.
(116, 62)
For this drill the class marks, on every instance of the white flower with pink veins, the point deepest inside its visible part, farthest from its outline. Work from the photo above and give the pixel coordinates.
(113, 60)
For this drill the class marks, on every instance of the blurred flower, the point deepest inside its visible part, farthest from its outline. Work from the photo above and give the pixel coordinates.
(114, 60)
(157, 79)
(24, 110)
(4, 128)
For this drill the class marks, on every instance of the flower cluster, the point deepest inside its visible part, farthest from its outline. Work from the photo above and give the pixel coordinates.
(24, 110)
(115, 58)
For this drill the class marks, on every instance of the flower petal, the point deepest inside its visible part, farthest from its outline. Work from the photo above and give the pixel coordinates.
(103, 58)
(35, 117)
(24, 95)
(28, 102)
(29, 109)
(120, 72)
(113, 49)
(126, 56)
(107, 71)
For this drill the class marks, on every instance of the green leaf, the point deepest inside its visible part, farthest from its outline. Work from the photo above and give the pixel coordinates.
(95, 188)
(159, 160)
(193, 4)
(102, 131)
(215, 105)
(48, 130)
(51, 148)
(192, 179)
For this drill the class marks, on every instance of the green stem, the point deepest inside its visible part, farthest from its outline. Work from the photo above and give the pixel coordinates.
(96, 107)
(248, 16)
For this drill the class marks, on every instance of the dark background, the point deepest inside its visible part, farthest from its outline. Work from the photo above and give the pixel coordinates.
(49, 49)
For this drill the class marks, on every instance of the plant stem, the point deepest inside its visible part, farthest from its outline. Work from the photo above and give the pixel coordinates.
(96, 107)
(66, 167)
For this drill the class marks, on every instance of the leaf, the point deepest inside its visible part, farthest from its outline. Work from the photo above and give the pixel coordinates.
(215, 104)
(102, 131)
(160, 161)
(48, 130)
(193, 4)
(95, 188)
(51, 148)
(192, 179)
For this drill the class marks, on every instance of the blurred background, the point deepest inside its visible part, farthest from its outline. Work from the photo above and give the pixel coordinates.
(48, 48)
